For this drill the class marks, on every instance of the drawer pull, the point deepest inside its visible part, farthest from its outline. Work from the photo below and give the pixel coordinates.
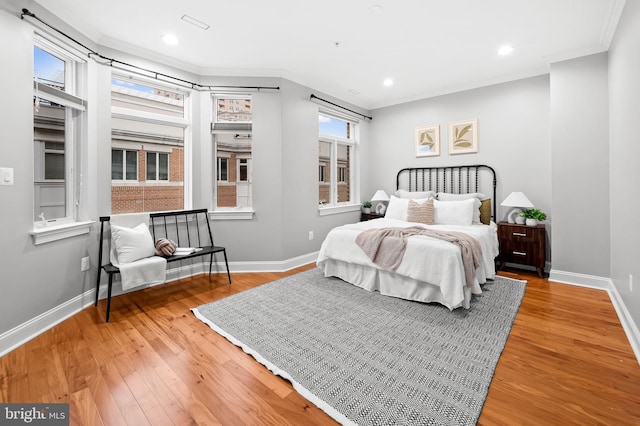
(519, 234)
(519, 253)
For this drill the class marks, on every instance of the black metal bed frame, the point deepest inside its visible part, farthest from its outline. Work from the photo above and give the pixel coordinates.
(453, 179)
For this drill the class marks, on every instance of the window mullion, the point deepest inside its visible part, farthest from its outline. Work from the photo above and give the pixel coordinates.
(334, 172)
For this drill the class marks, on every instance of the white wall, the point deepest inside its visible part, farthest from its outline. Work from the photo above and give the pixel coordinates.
(624, 103)
(580, 166)
(513, 138)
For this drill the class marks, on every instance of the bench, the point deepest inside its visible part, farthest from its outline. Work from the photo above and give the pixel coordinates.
(185, 227)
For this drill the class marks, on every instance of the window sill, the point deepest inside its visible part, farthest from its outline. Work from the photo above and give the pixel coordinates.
(347, 208)
(239, 214)
(47, 234)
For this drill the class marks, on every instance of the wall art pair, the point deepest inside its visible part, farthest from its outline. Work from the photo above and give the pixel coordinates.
(463, 138)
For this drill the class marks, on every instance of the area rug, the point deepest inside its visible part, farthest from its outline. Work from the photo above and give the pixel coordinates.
(369, 359)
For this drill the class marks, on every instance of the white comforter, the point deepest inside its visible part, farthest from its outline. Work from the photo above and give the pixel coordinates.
(426, 262)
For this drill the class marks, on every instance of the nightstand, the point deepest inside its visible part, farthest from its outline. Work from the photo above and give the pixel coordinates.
(522, 245)
(368, 216)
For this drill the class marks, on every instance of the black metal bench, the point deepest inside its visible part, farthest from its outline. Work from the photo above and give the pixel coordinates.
(185, 227)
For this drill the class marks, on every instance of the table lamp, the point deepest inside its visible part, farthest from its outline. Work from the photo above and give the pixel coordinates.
(380, 197)
(518, 201)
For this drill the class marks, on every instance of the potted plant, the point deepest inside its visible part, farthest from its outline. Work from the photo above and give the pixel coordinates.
(366, 207)
(533, 216)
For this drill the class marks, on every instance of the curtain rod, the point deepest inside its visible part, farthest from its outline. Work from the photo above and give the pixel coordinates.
(92, 53)
(312, 96)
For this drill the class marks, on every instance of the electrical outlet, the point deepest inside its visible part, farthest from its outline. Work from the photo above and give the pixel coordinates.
(84, 264)
(310, 235)
(630, 283)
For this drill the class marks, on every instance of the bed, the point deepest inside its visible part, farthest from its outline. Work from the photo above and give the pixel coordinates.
(461, 200)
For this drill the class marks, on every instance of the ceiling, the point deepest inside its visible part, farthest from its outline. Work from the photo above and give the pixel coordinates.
(346, 48)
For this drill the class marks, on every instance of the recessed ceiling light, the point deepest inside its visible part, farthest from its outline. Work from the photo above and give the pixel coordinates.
(194, 21)
(387, 82)
(375, 10)
(170, 39)
(505, 50)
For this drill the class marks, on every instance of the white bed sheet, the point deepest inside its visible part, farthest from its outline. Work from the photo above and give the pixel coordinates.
(431, 270)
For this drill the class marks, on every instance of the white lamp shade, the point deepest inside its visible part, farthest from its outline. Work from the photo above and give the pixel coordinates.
(380, 195)
(517, 199)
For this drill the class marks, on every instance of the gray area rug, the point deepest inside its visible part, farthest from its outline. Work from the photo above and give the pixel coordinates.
(369, 359)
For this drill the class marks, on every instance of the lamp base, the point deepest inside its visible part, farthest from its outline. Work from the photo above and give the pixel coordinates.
(381, 208)
(513, 216)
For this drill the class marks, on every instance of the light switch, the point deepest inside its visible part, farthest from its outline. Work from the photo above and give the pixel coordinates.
(6, 176)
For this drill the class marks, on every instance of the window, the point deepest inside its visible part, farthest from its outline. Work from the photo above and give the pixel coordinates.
(157, 166)
(58, 116)
(233, 144)
(223, 169)
(149, 141)
(336, 160)
(124, 165)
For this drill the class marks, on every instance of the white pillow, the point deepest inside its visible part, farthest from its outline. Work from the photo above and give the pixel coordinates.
(415, 195)
(398, 207)
(454, 212)
(477, 196)
(132, 244)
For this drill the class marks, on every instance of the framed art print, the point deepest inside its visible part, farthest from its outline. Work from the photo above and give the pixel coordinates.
(463, 136)
(428, 141)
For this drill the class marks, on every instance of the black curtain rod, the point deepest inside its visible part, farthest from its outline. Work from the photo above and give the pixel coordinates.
(111, 61)
(312, 96)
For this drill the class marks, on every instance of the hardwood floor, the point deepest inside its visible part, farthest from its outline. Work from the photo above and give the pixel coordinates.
(567, 361)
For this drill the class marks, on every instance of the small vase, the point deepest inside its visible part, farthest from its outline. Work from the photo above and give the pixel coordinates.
(532, 222)
(366, 210)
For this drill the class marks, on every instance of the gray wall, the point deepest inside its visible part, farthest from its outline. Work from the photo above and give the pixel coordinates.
(37, 279)
(624, 93)
(513, 138)
(525, 133)
(34, 278)
(580, 165)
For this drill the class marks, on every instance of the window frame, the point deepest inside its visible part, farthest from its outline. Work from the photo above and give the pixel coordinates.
(72, 123)
(334, 206)
(242, 126)
(183, 122)
(73, 99)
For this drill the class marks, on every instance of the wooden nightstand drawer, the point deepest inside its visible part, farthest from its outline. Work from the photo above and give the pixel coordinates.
(522, 245)
(369, 216)
(523, 254)
(519, 234)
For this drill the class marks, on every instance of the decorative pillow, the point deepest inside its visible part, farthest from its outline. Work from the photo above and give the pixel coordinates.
(421, 213)
(478, 196)
(165, 247)
(485, 211)
(454, 212)
(447, 196)
(416, 195)
(397, 208)
(132, 244)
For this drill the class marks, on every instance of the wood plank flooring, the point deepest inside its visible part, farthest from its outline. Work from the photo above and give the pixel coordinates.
(567, 361)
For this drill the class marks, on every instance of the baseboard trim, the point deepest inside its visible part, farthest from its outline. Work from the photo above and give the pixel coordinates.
(628, 325)
(21, 334)
(581, 280)
(26, 331)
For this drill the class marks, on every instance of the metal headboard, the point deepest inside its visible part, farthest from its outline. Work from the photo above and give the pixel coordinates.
(454, 179)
